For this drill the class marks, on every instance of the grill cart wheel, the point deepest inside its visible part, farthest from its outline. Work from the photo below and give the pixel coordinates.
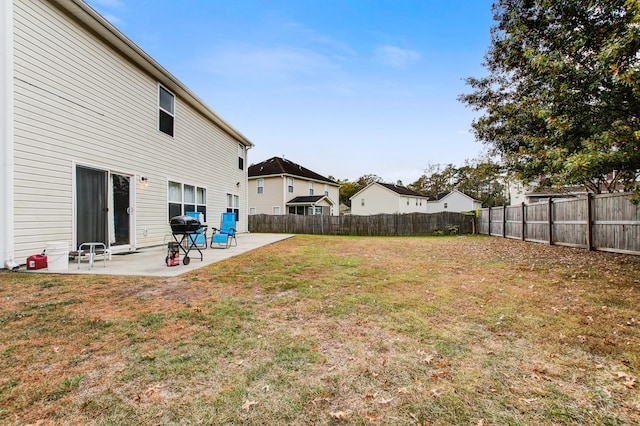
(186, 260)
(166, 260)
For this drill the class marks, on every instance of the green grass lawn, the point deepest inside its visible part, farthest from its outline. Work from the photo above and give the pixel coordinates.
(321, 330)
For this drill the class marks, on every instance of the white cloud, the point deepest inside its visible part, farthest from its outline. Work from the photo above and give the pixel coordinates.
(396, 57)
(336, 46)
(270, 63)
(114, 20)
(112, 4)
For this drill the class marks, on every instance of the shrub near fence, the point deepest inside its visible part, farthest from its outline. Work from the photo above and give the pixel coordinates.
(606, 222)
(375, 225)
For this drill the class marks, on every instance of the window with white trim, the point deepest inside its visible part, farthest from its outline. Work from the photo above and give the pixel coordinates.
(252, 211)
(290, 184)
(276, 210)
(310, 188)
(260, 184)
(233, 205)
(241, 154)
(183, 198)
(362, 202)
(166, 111)
(326, 189)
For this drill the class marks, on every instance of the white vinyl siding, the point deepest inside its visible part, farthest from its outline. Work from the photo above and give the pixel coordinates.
(79, 101)
(377, 199)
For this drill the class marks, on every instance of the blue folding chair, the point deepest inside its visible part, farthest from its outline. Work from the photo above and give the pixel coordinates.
(200, 238)
(227, 232)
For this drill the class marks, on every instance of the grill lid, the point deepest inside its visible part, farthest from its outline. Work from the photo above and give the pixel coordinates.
(182, 224)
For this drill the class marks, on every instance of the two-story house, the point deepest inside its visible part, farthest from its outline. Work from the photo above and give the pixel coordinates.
(99, 142)
(278, 186)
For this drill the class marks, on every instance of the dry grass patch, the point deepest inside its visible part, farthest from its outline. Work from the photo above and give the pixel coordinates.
(332, 330)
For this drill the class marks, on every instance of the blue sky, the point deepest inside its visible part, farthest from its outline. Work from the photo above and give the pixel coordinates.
(342, 87)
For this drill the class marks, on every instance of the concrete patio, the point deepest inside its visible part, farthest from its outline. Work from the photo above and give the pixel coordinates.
(151, 261)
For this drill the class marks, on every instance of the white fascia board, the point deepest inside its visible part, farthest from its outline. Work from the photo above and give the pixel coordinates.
(7, 234)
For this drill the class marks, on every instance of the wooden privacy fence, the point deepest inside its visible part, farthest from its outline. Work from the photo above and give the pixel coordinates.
(375, 225)
(606, 222)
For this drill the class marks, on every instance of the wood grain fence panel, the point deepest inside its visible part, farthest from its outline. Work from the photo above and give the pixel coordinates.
(616, 224)
(375, 225)
(513, 222)
(537, 219)
(606, 222)
(570, 222)
(497, 216)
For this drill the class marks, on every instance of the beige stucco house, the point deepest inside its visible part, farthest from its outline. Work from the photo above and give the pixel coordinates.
(387, 198)
(99, 142)
(454, 201)
(278, 186)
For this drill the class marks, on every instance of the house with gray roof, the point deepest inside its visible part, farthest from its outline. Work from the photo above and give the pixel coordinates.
(387, 198)
(278, 186)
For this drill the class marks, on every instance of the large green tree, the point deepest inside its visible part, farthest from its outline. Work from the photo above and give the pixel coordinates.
(482, 179)
(436, 179)
(349, 189)
(561, 102)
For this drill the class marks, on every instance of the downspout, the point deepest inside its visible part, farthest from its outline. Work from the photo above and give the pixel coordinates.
(6, 137)
(246, 184)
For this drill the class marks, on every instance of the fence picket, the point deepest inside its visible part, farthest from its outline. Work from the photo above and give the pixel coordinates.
(606, 222)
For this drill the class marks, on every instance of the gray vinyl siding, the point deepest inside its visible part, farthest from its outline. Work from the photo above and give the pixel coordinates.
(79, 101)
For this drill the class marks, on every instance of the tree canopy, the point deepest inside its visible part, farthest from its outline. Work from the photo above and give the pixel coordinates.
(561, 102)
(481, 179)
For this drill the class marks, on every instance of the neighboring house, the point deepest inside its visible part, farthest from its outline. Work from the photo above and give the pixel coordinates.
(278, 186)
(454, 201)
(99, 142)
(379, 198)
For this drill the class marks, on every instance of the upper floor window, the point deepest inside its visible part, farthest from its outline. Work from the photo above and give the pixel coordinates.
(290, 184)
(362, 202)
(241, 152)
(310, 188)
(166, 111)
(445, 205)
(260, 186)
(326, 190)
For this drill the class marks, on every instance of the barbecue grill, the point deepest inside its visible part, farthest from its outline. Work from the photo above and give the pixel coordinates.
(184, 230)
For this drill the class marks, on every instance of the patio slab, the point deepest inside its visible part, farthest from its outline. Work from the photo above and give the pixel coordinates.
(151, 261)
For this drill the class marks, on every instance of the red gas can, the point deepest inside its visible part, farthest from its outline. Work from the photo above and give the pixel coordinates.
(37, 261)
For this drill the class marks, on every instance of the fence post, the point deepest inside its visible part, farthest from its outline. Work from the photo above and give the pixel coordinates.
(489, 232)
(524, 222)
(550, 220)
(504, 221)
(589, 223)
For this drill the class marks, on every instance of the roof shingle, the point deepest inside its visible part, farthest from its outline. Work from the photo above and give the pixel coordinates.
(280, 166)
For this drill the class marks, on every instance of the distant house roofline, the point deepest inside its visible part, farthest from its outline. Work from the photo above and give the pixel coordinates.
(277, 166)
(398, 189)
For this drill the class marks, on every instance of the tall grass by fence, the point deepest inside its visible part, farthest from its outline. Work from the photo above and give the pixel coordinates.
(375, 225)
(607, 222)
